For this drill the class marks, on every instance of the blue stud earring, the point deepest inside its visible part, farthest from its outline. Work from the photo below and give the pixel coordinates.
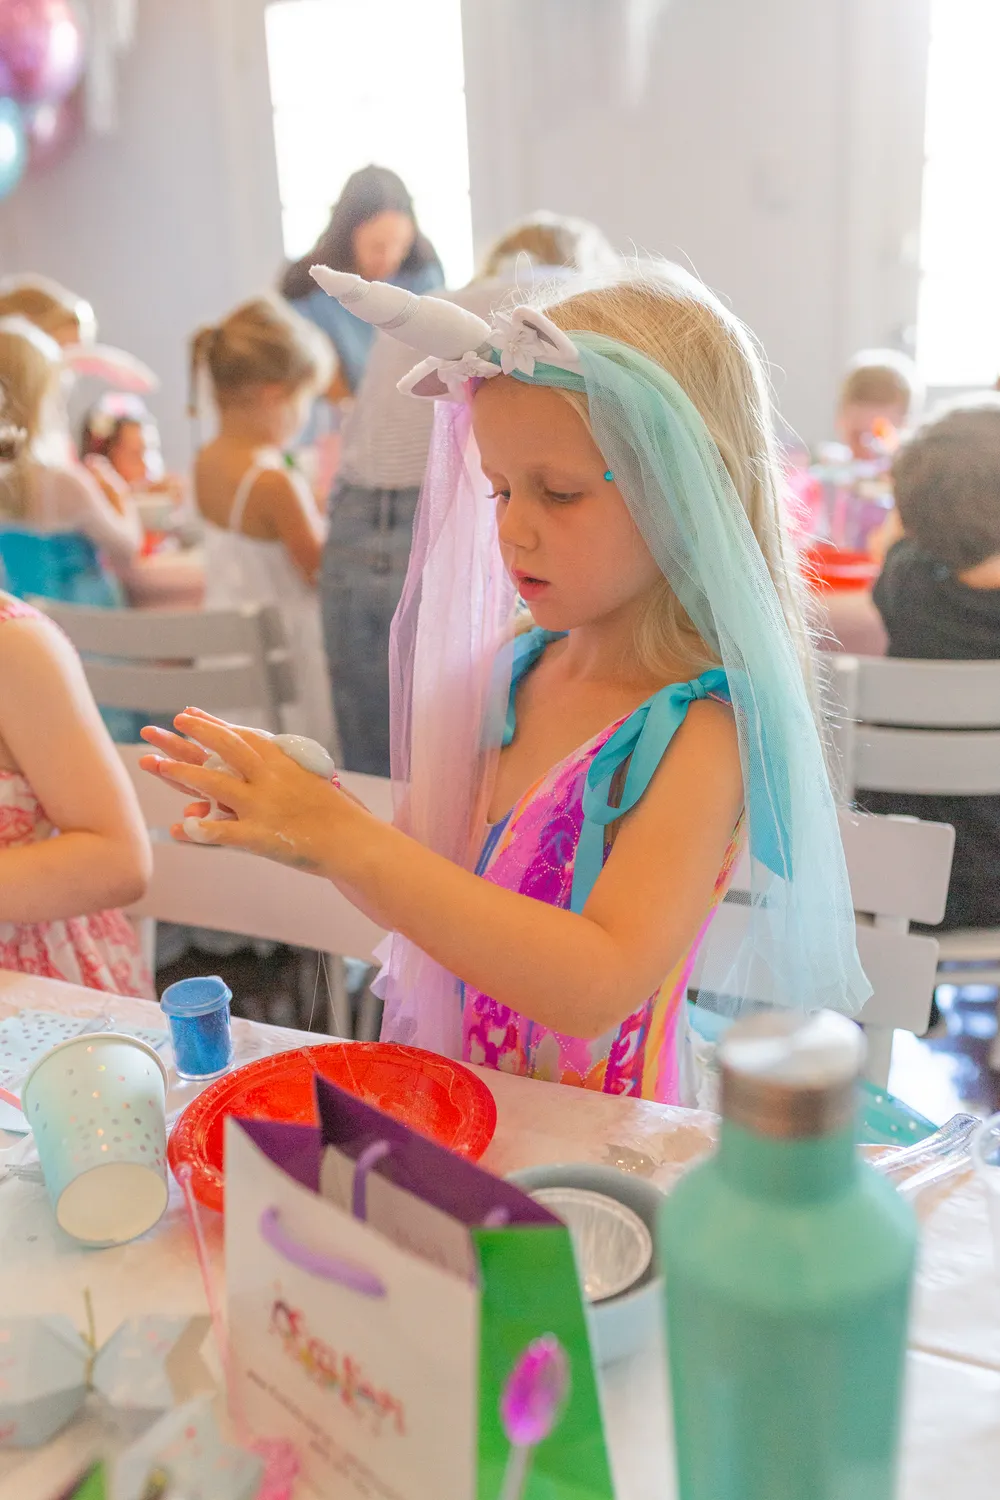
(608, 475)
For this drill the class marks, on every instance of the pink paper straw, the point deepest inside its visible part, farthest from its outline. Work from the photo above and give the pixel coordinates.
(9, 1098)
(184, 1175)
(281, 1462)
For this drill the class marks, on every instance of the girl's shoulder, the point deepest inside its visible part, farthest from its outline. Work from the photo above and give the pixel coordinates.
(33, 649)
(17, 609)
(271, 489)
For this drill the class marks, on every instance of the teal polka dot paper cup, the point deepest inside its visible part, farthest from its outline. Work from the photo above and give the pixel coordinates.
(96, 1105)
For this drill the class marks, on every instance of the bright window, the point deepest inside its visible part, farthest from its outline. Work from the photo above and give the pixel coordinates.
(958, 320)
(359, 81)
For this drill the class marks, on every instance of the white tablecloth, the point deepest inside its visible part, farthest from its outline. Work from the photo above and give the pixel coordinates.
(952, 1442)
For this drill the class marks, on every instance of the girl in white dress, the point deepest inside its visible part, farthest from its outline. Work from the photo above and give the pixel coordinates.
(263, 532)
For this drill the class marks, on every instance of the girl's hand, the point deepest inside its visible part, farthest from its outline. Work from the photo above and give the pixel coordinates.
(281, 811)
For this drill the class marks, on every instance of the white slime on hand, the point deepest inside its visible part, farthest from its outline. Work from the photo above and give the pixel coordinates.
(307, 753)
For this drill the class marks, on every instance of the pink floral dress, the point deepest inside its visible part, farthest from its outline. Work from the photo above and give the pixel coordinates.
(100, 951)
(552, 846)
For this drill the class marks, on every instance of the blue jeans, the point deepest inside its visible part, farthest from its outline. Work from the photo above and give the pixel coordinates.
(364, 565)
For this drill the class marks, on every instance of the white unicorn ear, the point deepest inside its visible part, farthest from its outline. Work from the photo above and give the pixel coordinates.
(425, 380)
(562, 349)
(525, 336)
(445, 379)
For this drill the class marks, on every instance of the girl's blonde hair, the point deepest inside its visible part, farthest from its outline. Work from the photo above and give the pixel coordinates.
(549, 239)
(261, 342)
(674, 320)
(30, 364)
(53, 308)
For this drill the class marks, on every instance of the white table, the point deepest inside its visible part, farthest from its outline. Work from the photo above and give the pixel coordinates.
(952, 1444)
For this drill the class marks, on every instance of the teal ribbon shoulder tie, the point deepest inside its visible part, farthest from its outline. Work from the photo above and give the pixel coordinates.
(644, 736)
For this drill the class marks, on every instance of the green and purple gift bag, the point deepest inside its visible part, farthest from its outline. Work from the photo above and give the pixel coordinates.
(386, 1304)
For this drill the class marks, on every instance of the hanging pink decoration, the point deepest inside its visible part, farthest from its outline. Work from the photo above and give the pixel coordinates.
(54, 128)
(41, 47)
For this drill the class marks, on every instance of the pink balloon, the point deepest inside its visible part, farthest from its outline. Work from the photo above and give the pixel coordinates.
(53, 131)
(41, 46)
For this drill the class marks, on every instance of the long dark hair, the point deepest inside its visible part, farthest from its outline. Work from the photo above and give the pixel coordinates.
(368, 192)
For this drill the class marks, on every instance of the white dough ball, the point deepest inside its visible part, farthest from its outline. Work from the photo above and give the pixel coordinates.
(307, 753)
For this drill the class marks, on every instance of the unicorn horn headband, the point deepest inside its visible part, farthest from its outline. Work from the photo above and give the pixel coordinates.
(460, 346)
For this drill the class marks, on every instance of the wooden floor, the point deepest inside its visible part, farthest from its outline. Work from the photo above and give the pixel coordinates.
(938, 1075)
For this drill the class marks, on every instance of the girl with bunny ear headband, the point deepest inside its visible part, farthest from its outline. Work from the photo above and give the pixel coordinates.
(571, 799)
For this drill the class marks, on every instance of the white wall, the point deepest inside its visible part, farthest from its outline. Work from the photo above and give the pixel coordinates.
(776, 147)
(176, 217)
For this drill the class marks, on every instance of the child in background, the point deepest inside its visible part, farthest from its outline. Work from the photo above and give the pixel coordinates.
(119, 429)
(64, 316)
(572, 798)
(880, 396)
(939, 596)
(69, 320)
(120, 445)
(57, 522)
(72, 842)
(263, 531)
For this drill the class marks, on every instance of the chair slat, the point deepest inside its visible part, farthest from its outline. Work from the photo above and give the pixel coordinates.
(929, 694)
(235, 892)
(901, 968)
(898, 867)
(219, 690)
(155, 634)
(943, 762)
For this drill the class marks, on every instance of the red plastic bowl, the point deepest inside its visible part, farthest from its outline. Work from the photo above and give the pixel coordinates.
(432, 1094)
(829, 567)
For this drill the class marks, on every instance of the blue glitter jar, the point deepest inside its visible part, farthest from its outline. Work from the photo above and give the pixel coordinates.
(197, 1011)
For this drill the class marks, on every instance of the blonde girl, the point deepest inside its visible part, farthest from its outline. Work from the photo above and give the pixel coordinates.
(44, 493)
(572, 803)
(263, 365)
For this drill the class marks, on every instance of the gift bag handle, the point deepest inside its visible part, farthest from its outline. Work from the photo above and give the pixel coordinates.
(330, 1267)
(369, 1158)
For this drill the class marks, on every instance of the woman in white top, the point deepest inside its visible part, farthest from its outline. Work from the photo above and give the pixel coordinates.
(385, 438)
(44, 494)
(263, 532)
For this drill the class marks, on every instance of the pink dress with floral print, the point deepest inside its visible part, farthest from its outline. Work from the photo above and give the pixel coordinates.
(534, 850)
(100, 951)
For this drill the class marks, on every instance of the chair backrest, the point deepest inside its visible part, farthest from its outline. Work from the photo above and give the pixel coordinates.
(899, 870)
(160, 660)
(924, 727)
(230, 891)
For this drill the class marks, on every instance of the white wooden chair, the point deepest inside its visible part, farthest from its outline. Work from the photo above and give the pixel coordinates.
(899, 870)
(224, 889)
(157, 661)
(930, 727)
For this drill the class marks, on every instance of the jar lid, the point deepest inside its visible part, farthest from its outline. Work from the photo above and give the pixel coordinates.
(786, 1074)
(196, 997)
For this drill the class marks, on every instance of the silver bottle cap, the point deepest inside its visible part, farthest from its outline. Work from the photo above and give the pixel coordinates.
(791, 1075)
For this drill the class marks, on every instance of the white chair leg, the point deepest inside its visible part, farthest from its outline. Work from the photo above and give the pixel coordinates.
(879, 1055)
(145, 931)
(338, 1002)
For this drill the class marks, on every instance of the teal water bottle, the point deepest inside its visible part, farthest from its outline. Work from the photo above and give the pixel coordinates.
(788, 1263)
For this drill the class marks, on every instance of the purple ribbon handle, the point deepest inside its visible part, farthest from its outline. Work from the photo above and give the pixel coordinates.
(329, 1267)
(369, 1158)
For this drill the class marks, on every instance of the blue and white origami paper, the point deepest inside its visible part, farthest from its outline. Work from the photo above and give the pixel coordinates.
(47, 1370)
(183, 1457)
